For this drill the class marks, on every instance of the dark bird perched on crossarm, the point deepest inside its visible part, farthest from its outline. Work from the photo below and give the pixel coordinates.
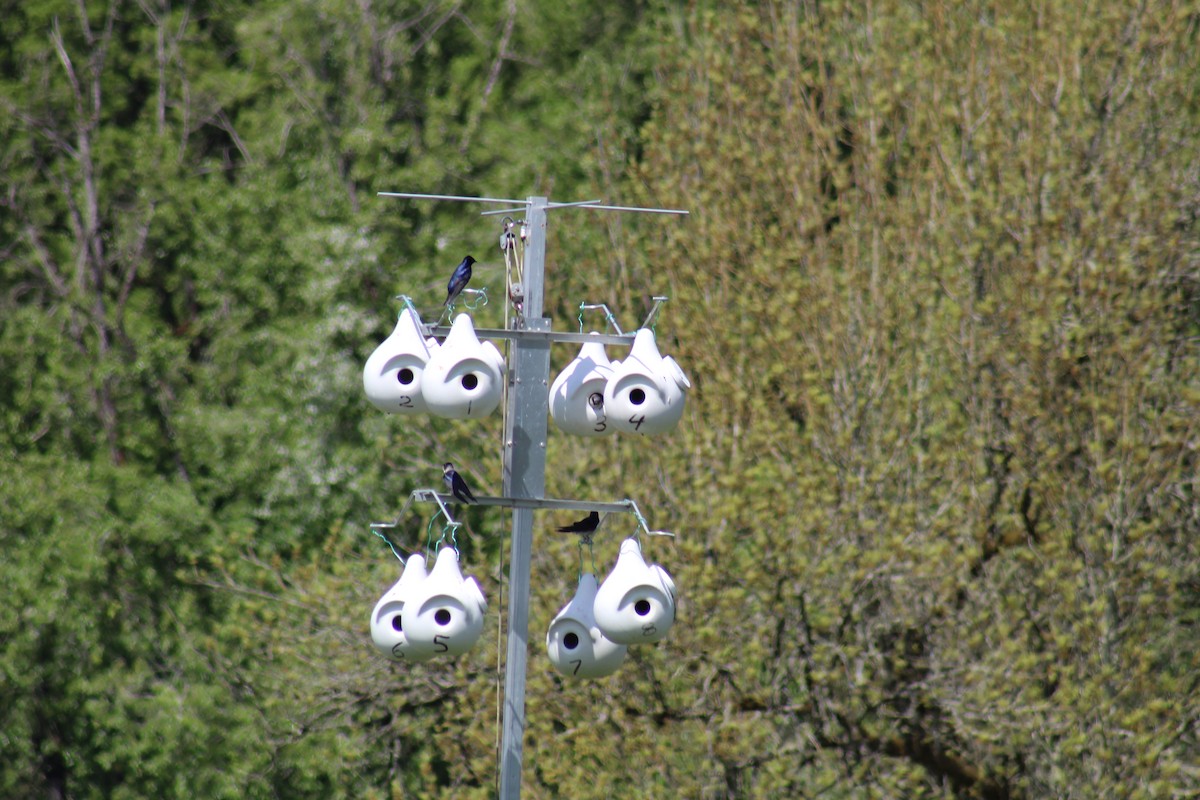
(586, 525)
(458, 487)
(459, 280)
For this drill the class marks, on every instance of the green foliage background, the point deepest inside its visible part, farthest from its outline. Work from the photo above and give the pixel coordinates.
(935, 489)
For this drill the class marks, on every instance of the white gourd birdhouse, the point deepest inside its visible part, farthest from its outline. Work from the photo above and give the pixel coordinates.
(646, 392)
(445, 611)
(636, 602)
(577, 648)
(464, 377)
(392, 376)
(577, 394)
(389, 616)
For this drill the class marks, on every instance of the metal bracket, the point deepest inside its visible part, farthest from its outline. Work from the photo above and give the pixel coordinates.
(544, 503)
(421, 495)
(526, 335)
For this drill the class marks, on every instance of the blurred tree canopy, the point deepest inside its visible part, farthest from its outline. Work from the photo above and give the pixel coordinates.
(935, 489)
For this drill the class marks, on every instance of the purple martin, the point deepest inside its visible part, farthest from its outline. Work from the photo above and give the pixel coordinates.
(586, 525)
(456, 484)
(458, 281)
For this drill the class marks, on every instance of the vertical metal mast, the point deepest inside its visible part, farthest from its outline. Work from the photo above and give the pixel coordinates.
(524, 477)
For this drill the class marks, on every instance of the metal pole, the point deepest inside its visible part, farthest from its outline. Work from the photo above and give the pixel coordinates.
(524, 477)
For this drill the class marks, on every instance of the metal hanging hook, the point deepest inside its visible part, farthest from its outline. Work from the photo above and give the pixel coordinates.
(429, 544)
(633, 507)
(608, 316)
(408, 303)
(422, 495)
(654, 309)
(452, 529)
(481, 298)
(588, 540)
(391, 546)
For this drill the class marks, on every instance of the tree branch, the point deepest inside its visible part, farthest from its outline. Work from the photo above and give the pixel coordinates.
(493, 76)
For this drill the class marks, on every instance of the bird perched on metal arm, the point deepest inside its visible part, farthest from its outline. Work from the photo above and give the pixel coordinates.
(586, 525)
(459, 280)
(455, 483)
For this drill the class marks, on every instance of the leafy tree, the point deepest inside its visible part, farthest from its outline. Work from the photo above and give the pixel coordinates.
(195, 267)
(949, 397)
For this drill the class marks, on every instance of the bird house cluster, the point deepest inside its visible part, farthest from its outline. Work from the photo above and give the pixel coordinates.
(635, 605)
(643, 394)
(462, 378)
(439, 611)
(427, 614)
